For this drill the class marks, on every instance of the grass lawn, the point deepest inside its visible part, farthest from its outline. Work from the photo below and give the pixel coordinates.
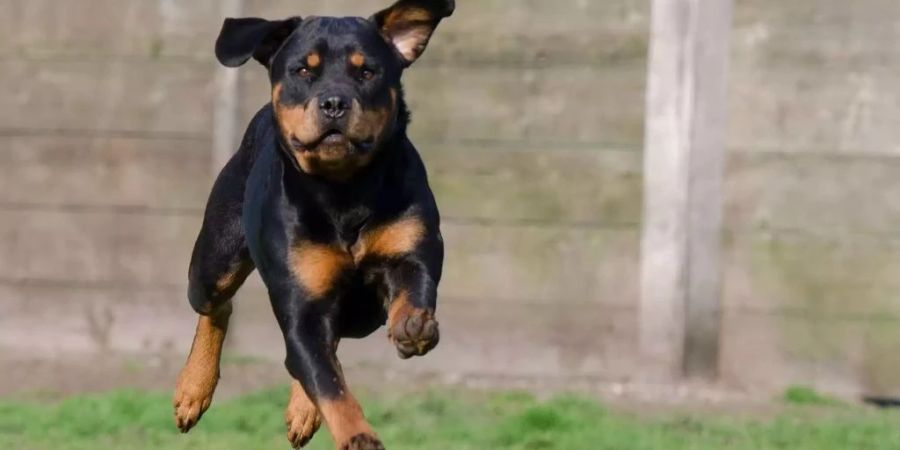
(453, 420)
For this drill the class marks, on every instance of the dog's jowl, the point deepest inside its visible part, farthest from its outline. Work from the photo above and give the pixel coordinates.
(328, 199)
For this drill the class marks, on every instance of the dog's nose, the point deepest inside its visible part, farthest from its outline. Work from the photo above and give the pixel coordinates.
(334, 107)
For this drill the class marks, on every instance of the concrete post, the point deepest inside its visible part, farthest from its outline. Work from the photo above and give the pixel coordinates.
(683, 164)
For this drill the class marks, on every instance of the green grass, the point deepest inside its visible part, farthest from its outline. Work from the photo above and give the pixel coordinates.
(451, 420)
(803, 395)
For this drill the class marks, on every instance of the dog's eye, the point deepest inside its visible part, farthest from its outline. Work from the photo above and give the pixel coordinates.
(367, 74)
(304, 72)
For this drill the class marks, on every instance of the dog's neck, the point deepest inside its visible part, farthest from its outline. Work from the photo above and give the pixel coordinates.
(345, 207)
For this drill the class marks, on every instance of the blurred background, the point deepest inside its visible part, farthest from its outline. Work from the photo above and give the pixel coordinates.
(530, 116)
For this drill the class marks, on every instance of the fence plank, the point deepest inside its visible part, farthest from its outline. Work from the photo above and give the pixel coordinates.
(834, 197)
(771, 272)
(514, 264)
(480, 32)
(499, 32)
(544, 185)
(846, 357)
(808, 108)
(477, 338)
(575, 187)
(165, 97)
(100, 172)
(149, 29)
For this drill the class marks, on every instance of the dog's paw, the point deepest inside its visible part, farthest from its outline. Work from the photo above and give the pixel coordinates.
(414, 331)
(363, 442)
(302, 418)
(302, 425)
(193, 395)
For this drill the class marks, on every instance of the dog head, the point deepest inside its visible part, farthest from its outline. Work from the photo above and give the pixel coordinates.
(336, 87)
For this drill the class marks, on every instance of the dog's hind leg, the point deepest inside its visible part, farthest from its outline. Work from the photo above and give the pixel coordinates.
(219, 266)
(197, 380)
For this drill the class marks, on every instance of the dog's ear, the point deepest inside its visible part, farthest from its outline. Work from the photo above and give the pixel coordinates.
(408, 24)
(241, 39)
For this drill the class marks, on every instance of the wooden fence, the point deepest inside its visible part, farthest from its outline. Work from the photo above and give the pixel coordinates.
(529, 114)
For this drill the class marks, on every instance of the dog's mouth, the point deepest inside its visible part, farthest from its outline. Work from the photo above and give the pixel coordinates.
(333, 154)
(332, 143)
(333, 138)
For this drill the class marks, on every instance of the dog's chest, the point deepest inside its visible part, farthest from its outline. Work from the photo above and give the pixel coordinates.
(359, 236)
(348, 231)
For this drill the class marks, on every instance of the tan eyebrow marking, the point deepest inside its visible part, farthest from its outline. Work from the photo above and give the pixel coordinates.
(357, 59)
(313, 59)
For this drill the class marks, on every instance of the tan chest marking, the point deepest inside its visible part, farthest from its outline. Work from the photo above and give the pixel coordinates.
(390, 240)
(318, 266)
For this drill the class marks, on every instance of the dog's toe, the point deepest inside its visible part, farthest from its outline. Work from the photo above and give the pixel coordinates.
(302, 428)
(303, 420)
(189, 409)
(415, 334)
(193, 395)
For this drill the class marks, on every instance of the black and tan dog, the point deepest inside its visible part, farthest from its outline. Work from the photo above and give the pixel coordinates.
(329, 200)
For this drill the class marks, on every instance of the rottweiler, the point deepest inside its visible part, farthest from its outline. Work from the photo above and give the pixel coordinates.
(329, 200)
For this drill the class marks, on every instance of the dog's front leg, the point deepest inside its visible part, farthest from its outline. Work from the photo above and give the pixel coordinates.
(311, 342)
(412, 299)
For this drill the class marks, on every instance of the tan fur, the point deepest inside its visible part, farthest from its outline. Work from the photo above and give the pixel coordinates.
(357, 59)
(391, 240)
(344, 418)
(197, 380)
(302, 122)
(313, 60)
(301, 416)
(229, 283)
(372, 122)
(318, 266)
(299, 121)
(412, 43)
(400, 308)
(406, 15)
(416, 25)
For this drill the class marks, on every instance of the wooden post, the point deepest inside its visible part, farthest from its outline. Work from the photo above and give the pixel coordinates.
(683, 163)
(226, 109)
